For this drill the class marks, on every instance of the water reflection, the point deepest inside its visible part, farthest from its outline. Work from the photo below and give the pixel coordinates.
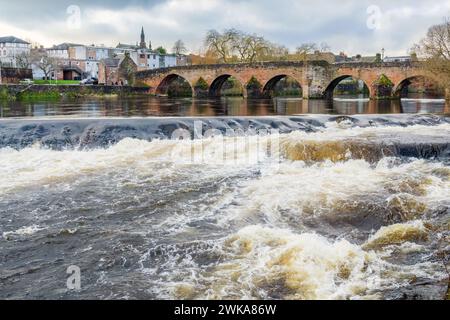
(152, 106)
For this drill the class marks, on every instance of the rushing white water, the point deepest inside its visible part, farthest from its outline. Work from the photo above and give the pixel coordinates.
(323, 215)
(36, 165)
(264, 262)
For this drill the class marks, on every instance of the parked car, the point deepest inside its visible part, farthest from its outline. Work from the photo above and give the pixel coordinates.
(27, 81)
(91, 81)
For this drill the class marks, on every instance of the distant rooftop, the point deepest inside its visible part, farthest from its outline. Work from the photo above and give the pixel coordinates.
(65, 46)
(399, 57)
(112, 62)
(12, 39)
(127, 46)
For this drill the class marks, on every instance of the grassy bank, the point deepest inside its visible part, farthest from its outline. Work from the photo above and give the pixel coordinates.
(57, 82)
(55, 93)
(5, 95)
(38, 96)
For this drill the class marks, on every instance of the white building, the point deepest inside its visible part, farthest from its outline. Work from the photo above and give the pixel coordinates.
(79, 61)
(11, 48)
(398, 59)
(156, 60)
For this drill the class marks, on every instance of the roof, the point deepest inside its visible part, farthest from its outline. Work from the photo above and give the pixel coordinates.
(127, 46)
(367, 59)
(12, 39)
(111, 62)
(65, 46)
(399, 57)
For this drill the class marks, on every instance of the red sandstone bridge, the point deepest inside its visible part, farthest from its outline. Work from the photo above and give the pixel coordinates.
(318, 79)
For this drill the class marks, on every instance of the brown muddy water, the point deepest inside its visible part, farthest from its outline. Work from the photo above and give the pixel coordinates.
(312, 207)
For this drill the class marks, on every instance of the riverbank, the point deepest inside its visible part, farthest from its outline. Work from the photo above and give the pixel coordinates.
(55, 92)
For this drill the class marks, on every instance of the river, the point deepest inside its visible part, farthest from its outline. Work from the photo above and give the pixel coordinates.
(160, 107)
(315, 200)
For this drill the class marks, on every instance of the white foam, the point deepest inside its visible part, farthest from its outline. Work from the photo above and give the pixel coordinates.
(24, 231)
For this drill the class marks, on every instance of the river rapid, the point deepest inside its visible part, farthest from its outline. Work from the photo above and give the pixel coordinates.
(298, 207)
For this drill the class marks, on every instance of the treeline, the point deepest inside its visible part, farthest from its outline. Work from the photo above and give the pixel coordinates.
(233, 45)
(435, 48)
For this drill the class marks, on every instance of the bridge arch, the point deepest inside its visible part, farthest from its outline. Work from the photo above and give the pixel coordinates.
(403, 84)
(329, 91)
(270, 86)
(164, 85)
(215, 89)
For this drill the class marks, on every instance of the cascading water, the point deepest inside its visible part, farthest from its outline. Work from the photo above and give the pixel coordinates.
(340, 208)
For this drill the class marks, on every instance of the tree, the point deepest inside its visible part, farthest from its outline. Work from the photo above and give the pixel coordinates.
(435, 48)
(235, 45)
(306, 48)
(179, 47)
(221, 44)
(43, 62)
(250, 47)
(23, 61)
(378, 58)
(277, 52)
(161, 50)
(324, 47)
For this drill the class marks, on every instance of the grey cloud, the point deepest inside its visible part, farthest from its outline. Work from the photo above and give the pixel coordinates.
(340, 23)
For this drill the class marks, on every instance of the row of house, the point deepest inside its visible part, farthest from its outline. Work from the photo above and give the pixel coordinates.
(78, 61)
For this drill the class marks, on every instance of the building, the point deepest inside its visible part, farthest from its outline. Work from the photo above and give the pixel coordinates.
(11, 48)
(117, 71)
(79, 61)
(146, 58)
(76, 61)
(398, 59)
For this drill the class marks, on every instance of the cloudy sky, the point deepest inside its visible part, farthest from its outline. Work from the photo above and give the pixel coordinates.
(353, 26)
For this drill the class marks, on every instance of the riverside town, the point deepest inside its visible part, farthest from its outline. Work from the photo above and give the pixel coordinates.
(222, 158)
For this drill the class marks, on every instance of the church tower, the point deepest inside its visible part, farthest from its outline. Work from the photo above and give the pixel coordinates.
(143, 45)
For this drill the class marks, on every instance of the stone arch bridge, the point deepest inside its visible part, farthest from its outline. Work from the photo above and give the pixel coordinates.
(317, 79)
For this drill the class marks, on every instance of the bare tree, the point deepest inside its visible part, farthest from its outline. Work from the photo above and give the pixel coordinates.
(236, 45)
(179, 47)
(43, 62)
(306, 48)
(23, 61)
(221, 44)
(324, 47)
(435, 48)
(250, 48)
(276, 52)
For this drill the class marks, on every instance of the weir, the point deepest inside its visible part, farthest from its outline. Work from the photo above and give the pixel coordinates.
(61, 134)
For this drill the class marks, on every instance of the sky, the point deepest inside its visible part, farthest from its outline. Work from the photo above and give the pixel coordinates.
(352, 26)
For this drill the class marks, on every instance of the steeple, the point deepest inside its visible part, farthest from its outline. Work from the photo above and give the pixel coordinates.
(143, 45)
